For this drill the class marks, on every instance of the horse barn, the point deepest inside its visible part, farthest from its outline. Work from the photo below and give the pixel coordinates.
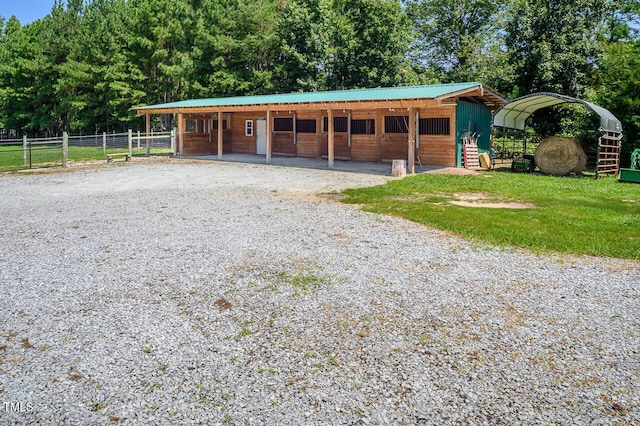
(422, 124)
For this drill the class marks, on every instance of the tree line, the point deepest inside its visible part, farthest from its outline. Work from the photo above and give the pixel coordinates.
(84, 65)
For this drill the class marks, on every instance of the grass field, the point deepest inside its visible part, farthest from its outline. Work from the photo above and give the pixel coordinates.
(11, 156)
(568, 215)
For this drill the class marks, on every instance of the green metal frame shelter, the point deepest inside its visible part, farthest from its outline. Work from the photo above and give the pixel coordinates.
(514, 114)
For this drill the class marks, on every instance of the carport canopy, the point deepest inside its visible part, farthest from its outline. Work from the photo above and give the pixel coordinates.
(514, 114)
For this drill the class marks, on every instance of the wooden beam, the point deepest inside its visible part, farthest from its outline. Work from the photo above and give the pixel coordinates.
(349, 131)
(379, 130)
(268, 136)
(331, 153)
(220, 132)
(295, 131)
(148, 129)
(319, 134)
(180, 135)
(411, 161)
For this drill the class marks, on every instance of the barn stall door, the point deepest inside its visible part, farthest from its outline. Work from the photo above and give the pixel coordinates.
(341, 145)
(261, 137)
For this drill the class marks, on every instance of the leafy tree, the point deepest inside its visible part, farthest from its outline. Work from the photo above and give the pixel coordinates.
(618, 90)
(460, 39)
(369, 40)
(83, 66)
(622, 21)
(554, 45)
(235, 48)
(304, 47)
(71, 74)
(24, 93)
(160, 46)
(116, 83)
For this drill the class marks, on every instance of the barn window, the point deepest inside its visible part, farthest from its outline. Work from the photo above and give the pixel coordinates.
(339, 124)
(396, 124)
(194, 126)
(248, 128)
(435, 126)
(215, 124)
(363, 127)
(306, 126)
(283, 124)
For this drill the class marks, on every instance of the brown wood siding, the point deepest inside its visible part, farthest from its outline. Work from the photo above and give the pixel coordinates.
(394, 146)
(439, 149)
(433, 150)
(227, 141)
(283, 144)
(244, 144)
(364, 148)
(197, 144)
(341, 149)
(307, 145)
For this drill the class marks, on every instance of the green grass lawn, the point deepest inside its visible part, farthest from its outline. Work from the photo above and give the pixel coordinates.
(49, 156)
(571, 215)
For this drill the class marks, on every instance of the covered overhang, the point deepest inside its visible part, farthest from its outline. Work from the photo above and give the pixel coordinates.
(390, 97)
(514, 114)
(480, 94)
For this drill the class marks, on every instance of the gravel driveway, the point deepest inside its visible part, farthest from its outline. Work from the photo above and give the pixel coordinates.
(213, 293)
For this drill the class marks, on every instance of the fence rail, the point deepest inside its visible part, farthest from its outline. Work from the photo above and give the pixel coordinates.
(28, 153)
(608, 155)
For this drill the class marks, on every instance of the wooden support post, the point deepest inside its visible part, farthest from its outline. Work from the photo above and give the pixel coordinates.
(349, 130)
(331, 147)
(268, 136)
(379, 130)
(24, 149)
(173, 140)
(220, 135)
(104, 143)
(418, 133)
(130, 142)
(180, 135)
(65, 148)
(209, 130)
(295, 130)
(148, 129)
(138, 138)
(319, 140)
(411, 162)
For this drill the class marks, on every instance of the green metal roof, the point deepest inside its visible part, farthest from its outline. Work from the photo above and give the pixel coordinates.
(379, 94)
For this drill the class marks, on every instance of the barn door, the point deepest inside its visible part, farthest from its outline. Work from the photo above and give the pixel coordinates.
(261, 137)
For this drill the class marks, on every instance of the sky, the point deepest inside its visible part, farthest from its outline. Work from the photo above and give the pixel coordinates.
(26, 10)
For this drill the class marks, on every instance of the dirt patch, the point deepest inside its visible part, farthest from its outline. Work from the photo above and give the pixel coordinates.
(478, 199)
(493, 205)
(454, 171)
(487, 202)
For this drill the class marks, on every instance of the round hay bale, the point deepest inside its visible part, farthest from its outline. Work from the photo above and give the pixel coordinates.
(557, 155)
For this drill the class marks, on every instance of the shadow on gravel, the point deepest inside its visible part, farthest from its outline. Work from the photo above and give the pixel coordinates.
(382, 169)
